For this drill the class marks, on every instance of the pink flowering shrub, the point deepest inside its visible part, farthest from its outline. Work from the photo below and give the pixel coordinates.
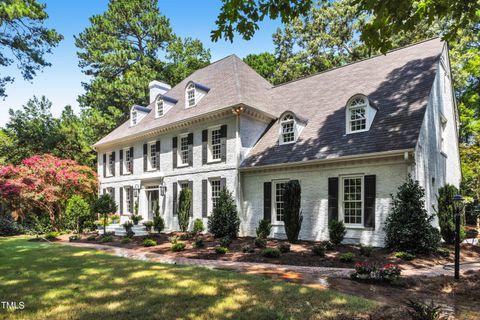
(366, 270)
(45, 183)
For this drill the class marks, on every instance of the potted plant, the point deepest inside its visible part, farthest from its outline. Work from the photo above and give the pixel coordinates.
(136, 218)
(390, 272)
(363, 270)
(128, 225)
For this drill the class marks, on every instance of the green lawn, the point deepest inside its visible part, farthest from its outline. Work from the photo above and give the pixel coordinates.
(62, 282)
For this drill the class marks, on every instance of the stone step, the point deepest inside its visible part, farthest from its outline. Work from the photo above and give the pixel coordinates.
(119, 230)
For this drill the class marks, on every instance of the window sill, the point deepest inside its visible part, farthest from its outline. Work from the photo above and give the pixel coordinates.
(361, 228)
(214, 161)
(182, 165)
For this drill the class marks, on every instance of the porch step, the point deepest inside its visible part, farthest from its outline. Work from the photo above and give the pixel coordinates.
(119, 230)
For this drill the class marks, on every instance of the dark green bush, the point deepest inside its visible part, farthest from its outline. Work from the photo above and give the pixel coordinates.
(184, 204)
(158, 222)
(104, 206)
(446, 214)
(198, 226)
(221, 250)
(329, 246)
(76, 212)
(149, 243)
(271, 253)
(107, 239)
(260, 242)
(284, 247)
(319, 250)
(52, 235)
(224, 220)
(225, 241)
(148, 225)
(404, 255)
(178, 246)
(126, 240)
(423, 311)
(264, 228)
(346, 257)
(128, 225)
(366, 251)
(443, 252)
(247, 249)
(408, 226)
(9, 227)
(292, 196)
(336, 231)
(198, 243)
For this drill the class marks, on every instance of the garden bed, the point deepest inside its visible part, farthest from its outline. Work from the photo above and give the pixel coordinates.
(300, 254)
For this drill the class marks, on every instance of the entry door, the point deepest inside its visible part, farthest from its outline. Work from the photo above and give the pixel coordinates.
(153, 202)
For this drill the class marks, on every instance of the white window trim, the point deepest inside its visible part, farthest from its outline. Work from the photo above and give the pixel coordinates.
(157, 100)
(149, 156)
(341, 199)
(209, 194)
(126, 170)
(134, 119)
(209, 145)
(109, 172)
(369, 114)
(274, 202)
(187, 89)
(180, 163)
(295, 131)
(125, 190)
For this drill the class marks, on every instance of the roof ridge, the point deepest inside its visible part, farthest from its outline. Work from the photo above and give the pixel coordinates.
(354, 62)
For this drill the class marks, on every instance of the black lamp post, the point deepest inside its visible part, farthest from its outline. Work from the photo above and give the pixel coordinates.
(458, 206)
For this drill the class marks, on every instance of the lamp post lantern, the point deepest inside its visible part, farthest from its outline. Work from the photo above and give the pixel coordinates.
(458, 207)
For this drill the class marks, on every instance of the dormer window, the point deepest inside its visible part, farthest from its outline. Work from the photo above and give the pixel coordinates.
(288, 129)
(134, 117)
(191, 99)
(359, 114)
(159, 106)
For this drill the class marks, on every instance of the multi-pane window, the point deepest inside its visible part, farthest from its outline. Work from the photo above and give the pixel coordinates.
(288, 129)
(191, 95)
(215, 144)
(216, 188)
(111, 192)
(134, 117)
(111, 164)
(183, 185)
(153, 156)
(128, 161)
(184, 150)
(352, 200)
(128, 199)
(159, 107)
(279, 203)
(357, 117)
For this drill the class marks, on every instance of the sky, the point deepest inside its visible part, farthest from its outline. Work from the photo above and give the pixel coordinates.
(62, 82)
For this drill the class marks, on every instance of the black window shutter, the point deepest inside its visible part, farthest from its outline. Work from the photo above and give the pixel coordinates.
(190, 185)
(104, 191)
(267, 201)
(121, 200)
(223, 183)
(175, 197)
(131, 160)
(204, 198)
(113, 194)
(121, 161)
(174, 152)
(157, 148)
(190, 149)
(369, 201)
(113, 167)
(104, 165)
(223, 142)
(205, 146)
(332, 199)
(132, 202)
(145, 157)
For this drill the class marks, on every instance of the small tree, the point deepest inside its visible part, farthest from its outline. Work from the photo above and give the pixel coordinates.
(76, 212)
(158, 222)
(446, 213)
(292, 214)
(105, 205)
(224, 220)
(408, 227)
(264, 228)
(336, 231)
(184, 204)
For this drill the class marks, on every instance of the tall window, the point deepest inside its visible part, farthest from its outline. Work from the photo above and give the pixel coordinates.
(159, 104)
(279, 207)
(288, 129)
(191, 100)
(443, 126)
(215, 144)
(128, 161)
(128, 199)
(153, 157)
(111, 164)
(134, 117)
(357, 110)
(352, 200)
(216, 188)
(184, 151)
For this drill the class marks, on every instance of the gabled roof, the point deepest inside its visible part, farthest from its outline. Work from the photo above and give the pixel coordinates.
(230, 82)
(398, 84)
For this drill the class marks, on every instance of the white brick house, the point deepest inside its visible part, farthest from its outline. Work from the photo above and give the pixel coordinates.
(350, 135)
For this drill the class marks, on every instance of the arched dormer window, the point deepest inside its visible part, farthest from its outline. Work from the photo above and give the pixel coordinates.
(287, 129)
(159, 108)
(190, 95)
(359, 115)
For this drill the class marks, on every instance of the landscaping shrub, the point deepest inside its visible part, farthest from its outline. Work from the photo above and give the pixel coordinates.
(9, 227)
(423, 311)
(158, 223)
(292, 196)
(76, 212)
(126, 240)
(264, 228)
(178, 246)
(173, 239)
(404, 255)
(128, 225)
(336, 231)
(107, 239)
(260, 242)
(446, 214)
(114, 218)
(52, 235)
(443, 252)
(105, 205)
(186, 236)
(365, 270)
(284, 247)
(346, 257)
(149, 243)
(184, 204)
(271, 253)
(366, 251)
(148, 225)
(329, 246)
(408, 226)
(225, 241)
(198, 243)
(74, 237)
(224, 220)
(319, 250)
(221, 250)
(247, 249)
(198, 226)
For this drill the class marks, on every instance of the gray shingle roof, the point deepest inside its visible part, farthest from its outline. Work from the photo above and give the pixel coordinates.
(397, 84)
